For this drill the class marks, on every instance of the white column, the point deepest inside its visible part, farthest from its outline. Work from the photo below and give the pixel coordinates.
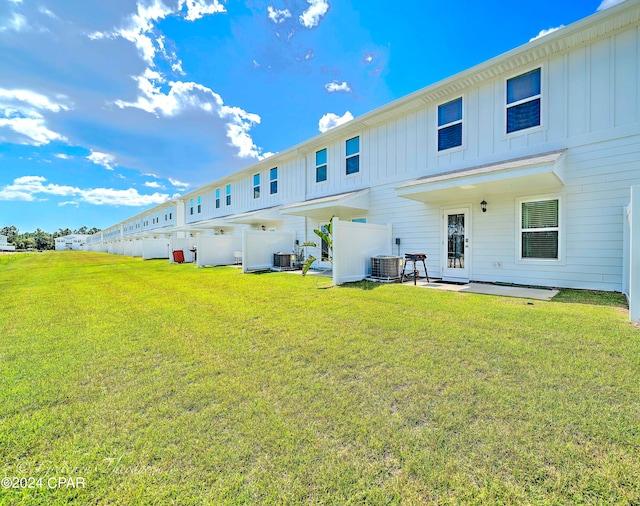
(634, 256)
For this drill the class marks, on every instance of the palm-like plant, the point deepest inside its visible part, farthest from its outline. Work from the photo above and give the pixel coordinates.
(325, 234)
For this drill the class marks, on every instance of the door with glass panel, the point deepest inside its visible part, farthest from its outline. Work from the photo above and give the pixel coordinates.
(455, 256)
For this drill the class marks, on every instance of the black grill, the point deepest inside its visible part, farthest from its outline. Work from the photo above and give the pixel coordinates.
(414, 258)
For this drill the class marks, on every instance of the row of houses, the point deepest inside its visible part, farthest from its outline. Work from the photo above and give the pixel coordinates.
(523, 169)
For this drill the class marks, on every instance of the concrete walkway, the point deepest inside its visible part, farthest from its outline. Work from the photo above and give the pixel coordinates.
(488, 289)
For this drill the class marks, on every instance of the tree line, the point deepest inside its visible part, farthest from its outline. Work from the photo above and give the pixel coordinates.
(40, 239)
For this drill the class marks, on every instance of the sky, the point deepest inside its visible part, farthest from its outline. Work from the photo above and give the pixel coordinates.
(108, 108)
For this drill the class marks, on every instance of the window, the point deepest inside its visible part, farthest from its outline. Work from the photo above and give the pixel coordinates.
(256, 186)
(539, 229)
(227, 192)
(191, 206)
(218, 198)
(450, 125)
(321, 165)
(273, 180)
(171, 212)
(353, 155)
(199, 205)
(523, 101)
(166, 214)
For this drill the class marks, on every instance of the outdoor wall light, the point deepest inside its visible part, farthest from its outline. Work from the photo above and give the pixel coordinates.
(483, 206)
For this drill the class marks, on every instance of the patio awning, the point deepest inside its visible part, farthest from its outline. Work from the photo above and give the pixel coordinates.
(529, 173)
(257, 217)
(343, 205)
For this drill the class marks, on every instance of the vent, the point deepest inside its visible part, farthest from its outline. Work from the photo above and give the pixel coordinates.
(386, 267)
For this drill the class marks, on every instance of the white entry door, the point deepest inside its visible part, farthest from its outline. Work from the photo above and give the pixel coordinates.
(456, 237)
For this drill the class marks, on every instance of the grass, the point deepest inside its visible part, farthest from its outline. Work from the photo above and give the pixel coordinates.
(167, 384)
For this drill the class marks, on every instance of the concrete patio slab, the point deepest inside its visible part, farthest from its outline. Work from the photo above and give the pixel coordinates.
(488, 289)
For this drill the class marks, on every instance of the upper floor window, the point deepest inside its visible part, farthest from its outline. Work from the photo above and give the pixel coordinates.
(166, 213)
(321, 165)
(171, 212)
(539, 229)
(256, 186)
(273, 180)
(450, 125)
(218, 198)
(353, 155)
(227, 192)
(199, 205)
(190, 206)
(523, 101)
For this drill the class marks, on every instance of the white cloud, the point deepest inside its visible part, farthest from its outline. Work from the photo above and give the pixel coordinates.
(197, 9)
(311, 17)
(62, 156)
(608, 3)
(27, 188)
(546, 32)
(17, 23)
(137, 28)
(335, 86)
(104, 159)
(330, 120)
(69, 203)
(33, 127)
(20, 111)
(153, 184)
(276, 15)
(179, 184)
(183, 96)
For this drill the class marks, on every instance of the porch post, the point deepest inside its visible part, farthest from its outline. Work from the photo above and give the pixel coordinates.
(634, 255)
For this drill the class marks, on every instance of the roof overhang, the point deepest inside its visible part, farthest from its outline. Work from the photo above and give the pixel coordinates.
(258, 217)
(343, 205)
(530, 173)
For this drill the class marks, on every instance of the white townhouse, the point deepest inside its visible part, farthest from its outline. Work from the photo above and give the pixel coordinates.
(71, 242)
(521, 169)
(4, 244)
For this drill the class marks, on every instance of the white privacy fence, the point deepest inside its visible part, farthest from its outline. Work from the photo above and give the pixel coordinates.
(353, 246)
(258, 248)
(218, 249)
(137, 248)
(186, 244)
(631, 275)
(155, 248)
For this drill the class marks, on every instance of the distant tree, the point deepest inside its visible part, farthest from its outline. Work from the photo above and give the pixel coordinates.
(43, 240)
(93, 230)
(81, 231)
(11, 233)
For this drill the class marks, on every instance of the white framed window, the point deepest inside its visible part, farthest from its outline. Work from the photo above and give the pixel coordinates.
(199, 205)
(539, 229)
(190, 206)
(321, 165)
(273, 181)
(353, 155)
(450, 124)
(227, 194)
(256, 186)
(524, 94)
(217, 198)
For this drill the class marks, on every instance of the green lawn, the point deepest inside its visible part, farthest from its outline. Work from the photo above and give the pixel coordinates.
(166, 384)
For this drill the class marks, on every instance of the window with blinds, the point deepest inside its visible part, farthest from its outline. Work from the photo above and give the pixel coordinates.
(450, 125)
(523, 101)
(539, 229)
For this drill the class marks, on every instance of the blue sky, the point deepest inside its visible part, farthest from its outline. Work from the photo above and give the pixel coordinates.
(111, 107)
